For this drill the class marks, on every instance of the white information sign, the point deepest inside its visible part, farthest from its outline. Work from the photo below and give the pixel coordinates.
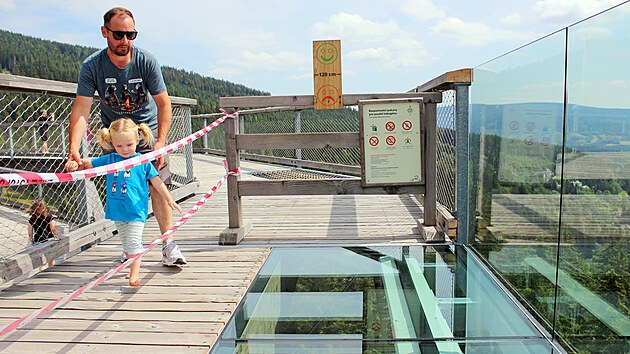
(391, 142)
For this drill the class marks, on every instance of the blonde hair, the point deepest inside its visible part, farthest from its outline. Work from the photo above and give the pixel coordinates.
(125, 126)
(38, 207)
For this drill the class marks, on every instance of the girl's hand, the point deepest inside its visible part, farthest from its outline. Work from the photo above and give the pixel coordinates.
(72, 166)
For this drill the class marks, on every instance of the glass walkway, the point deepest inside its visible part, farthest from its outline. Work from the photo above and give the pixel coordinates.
(407, 299)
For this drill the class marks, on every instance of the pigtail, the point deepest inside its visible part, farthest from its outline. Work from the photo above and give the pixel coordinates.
(106, 139)
(146, 132)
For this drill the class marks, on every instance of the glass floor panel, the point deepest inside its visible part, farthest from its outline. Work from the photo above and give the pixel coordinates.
(402, 299)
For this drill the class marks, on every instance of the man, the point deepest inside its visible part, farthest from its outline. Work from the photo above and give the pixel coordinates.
(112, 72)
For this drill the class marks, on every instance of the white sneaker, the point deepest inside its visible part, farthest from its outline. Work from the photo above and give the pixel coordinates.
(171, 255)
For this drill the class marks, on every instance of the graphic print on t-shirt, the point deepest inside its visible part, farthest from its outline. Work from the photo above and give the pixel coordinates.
(124, 97)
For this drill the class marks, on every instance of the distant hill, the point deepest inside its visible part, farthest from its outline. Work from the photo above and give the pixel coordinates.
(35, 57)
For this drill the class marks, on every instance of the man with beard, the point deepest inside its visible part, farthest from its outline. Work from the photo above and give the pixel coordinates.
(110, 70)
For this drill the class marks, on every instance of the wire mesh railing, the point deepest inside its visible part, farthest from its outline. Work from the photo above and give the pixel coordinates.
(34, 137)
(446, 151)
(301, 121)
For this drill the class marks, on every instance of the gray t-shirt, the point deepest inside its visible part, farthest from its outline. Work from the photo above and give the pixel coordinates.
(123, 92)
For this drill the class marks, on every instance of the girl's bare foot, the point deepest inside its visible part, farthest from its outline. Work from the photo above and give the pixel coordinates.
(134, 282)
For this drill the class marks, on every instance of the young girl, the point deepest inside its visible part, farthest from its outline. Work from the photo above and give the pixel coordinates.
(127, 191)
(41, 226)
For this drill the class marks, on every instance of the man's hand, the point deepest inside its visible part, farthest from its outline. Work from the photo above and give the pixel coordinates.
(160, 161)
(74, 161)
(174, 206)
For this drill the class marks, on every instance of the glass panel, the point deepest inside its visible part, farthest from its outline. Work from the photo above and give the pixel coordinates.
(376, 299)
(516, 147)
(593, 309)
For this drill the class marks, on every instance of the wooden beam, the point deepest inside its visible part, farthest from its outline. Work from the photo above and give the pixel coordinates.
(32, 257)
(319, 187)
(446, 81)
(307, 101)
(316, 165)
(297, 141)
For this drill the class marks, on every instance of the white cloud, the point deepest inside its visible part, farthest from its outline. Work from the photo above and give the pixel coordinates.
(7, 5)
(513, 19)
(379, 53)
(409, 61)
(572, 10)
(391, 45)
(420, 9)
(476, 33)
(353, 27)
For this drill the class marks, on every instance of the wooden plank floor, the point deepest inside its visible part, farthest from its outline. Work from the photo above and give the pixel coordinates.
(183, 310)
(339, 219)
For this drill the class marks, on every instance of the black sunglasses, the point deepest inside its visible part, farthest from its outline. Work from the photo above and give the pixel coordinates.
(118, 35)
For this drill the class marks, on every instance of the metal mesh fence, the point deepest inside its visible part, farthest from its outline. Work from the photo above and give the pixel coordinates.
(23, 131)
(446, 151)
(303, 121)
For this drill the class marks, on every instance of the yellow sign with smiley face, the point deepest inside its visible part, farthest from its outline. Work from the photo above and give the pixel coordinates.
(327, 74)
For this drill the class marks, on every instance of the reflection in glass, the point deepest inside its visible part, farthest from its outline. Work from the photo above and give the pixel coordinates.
(552, 190)
(593, 303)
(516, 145)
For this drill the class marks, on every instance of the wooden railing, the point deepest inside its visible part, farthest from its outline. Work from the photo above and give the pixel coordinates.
(236, 142)
(88, 225)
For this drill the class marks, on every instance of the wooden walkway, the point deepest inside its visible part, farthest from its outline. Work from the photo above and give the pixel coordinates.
(183, 310)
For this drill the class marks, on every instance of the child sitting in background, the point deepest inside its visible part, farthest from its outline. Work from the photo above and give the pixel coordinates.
(127, 201)
(41, 226)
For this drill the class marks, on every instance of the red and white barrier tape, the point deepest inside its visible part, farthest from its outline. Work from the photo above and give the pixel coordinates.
(67, 298)
(26, 178)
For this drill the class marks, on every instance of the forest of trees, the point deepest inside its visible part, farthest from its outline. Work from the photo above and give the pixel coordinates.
(44, 59)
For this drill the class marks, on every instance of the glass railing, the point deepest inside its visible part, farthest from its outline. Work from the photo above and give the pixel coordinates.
(550, 150)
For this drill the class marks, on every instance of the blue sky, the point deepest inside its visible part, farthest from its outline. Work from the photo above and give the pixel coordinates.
(387, 45)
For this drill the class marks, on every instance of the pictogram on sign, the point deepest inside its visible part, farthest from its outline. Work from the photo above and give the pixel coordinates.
(407, 125)
(373, 141)
(390, 140)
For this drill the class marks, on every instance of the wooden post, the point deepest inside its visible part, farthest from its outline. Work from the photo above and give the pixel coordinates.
(236, 229)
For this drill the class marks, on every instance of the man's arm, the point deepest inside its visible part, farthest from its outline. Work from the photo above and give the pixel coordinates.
(78, 126)
(165, 116)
